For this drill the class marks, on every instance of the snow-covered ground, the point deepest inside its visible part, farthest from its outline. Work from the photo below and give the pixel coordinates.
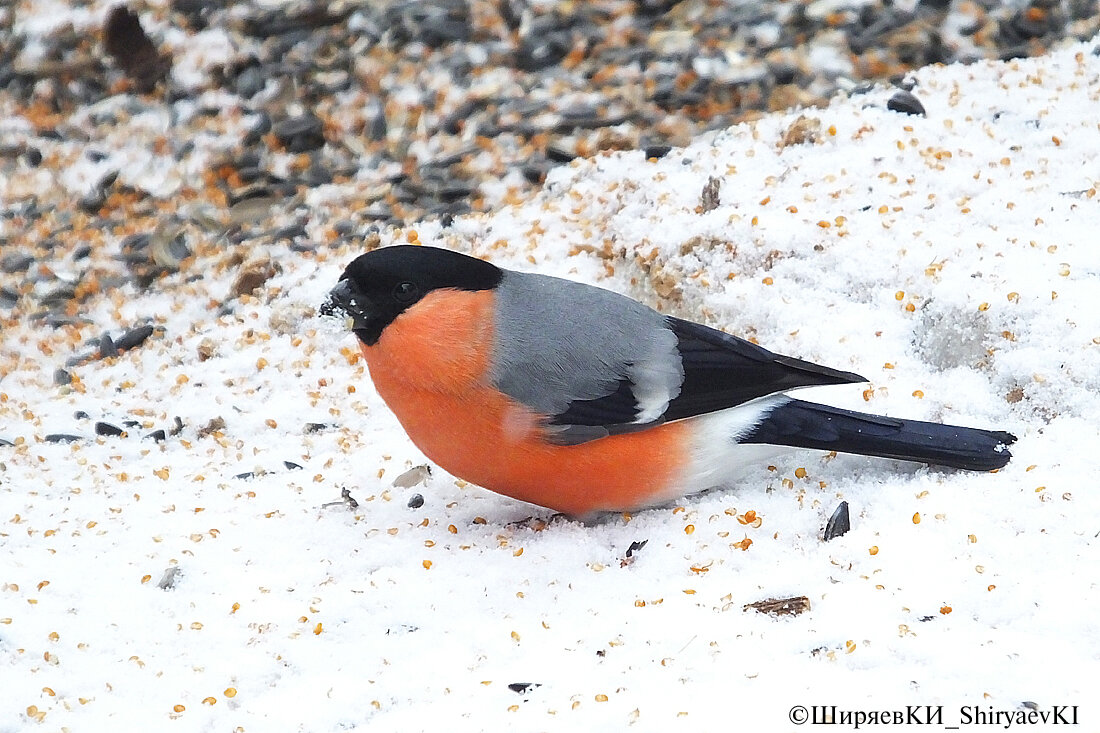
(950, 258)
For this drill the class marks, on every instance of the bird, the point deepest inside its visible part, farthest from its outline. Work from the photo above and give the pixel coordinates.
(583, 400)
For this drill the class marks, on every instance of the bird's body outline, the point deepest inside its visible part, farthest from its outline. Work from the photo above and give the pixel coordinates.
(580, 399)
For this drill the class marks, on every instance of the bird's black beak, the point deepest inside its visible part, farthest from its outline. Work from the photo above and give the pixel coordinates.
(345, 300)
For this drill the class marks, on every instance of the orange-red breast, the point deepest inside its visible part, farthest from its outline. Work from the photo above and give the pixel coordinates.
(580, 399)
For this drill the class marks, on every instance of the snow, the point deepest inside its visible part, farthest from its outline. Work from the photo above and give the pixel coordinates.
(950, 259)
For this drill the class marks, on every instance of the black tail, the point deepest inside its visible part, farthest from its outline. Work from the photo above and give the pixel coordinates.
(808, 425)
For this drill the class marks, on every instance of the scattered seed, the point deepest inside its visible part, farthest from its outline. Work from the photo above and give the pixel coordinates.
(413, 477)
(522, 687)
(839, 523)
(780, 606)
(168, 580)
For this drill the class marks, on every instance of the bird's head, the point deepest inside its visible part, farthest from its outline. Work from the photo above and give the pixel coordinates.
(380, 285)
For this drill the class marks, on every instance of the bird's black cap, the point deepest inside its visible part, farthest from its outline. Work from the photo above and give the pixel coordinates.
(382, 284)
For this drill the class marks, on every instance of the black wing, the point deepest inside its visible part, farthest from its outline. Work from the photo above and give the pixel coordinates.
(720, 371)
(723, 371)
(618, 407)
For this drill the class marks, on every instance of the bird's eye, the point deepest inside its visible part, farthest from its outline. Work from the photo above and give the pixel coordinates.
(406, 292)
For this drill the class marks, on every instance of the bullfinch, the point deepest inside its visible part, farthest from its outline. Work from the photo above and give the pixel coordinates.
(582, 400)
